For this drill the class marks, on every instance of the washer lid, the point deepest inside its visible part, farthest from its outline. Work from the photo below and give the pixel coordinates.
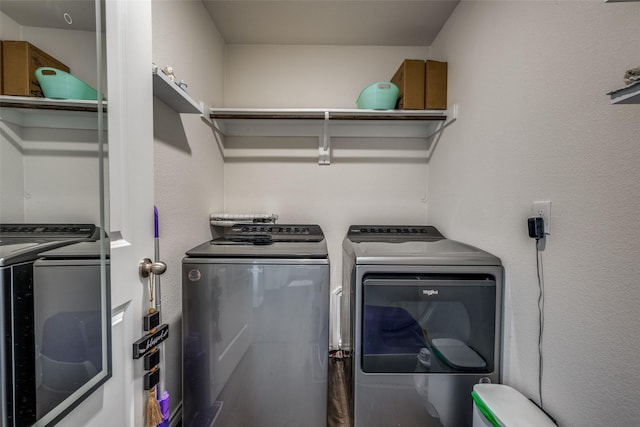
(16, 252)
(439, 252)
(23, 242)
(265, 241)
(20, 251)
(247, 249)
(80, 250)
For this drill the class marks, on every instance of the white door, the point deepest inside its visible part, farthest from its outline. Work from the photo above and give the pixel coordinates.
(122, 400)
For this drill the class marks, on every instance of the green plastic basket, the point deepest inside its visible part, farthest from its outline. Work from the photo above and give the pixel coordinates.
(379, 96)
(59, 84)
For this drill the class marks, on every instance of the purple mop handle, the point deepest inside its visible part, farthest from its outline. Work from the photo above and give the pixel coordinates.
(155, 223)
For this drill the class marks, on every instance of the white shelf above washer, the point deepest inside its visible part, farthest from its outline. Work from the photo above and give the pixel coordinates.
(27, 111)
(171, 94)
(626, 95)
(328, 123)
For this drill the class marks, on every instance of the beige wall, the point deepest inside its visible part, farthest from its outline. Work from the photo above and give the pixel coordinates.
(63, 45)
(187, 162)
(11, 174)
(308, 76)
(535, 123)
(50, 174)
(370, 180)
(530, 78)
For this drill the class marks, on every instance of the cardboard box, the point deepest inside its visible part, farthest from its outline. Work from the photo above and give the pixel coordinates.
(435, 96)
(410, 79)
(19, 62)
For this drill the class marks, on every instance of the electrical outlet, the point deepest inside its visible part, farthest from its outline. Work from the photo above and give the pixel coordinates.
(543, 210)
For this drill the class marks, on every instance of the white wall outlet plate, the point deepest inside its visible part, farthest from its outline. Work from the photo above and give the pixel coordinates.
(542, 210)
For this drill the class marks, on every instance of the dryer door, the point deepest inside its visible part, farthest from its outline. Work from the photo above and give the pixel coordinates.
(428, 323)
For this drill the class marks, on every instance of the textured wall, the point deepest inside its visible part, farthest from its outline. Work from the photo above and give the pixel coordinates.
(295, 76)
(535, 124)
(370, 180)
(187, 162)
(11, 174)
(48, 174)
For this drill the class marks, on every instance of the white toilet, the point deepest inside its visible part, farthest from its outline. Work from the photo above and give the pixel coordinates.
(498, 405)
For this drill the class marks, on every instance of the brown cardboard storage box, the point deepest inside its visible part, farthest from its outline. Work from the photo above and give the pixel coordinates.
(19, 62)
(435, 96)
(410, 80)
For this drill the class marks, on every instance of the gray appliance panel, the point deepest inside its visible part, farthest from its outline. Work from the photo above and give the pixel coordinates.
(444, 322)
(77, 251)
(23, 242)
(291, 250)
(440, 252)
(3, 361)
(393, 233)
(425, 400)
(435, 399)
(72, 304)
(274, 232)
(14, 251)
(20, 247)
(255, 342)
(261, 261)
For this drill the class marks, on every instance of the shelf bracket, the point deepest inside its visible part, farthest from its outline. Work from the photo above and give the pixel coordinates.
(206, 116)
(215, 127)
(324, 149)
(453, 117)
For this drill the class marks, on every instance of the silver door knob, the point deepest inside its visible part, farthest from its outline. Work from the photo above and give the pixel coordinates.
(147, 267)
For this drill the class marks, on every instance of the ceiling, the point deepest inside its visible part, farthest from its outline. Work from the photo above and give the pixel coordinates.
(300, 22)
(51, 13)
(330, 22)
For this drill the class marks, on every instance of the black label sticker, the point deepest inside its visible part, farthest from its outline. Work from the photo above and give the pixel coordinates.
(146, 343)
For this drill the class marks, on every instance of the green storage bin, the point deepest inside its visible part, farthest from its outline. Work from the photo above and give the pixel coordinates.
(59, 84)
(379, 96)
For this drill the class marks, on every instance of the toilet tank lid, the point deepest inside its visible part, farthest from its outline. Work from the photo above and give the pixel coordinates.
(508, 407)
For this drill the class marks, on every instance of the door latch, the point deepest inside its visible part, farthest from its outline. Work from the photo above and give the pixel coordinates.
(148, 267)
